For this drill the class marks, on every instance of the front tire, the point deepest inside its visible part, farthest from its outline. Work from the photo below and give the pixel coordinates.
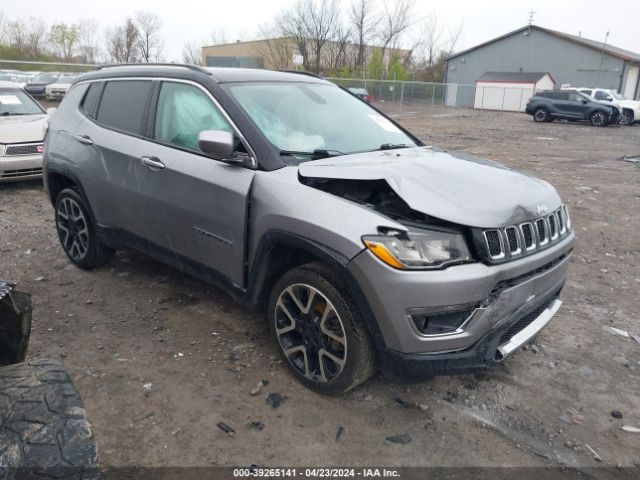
(541, 115)
(77, 232)
(599, 119)
(319, 330)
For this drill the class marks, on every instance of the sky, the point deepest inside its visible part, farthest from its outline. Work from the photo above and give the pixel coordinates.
(194, 20)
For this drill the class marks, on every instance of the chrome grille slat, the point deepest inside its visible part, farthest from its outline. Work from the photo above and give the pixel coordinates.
(514, 240)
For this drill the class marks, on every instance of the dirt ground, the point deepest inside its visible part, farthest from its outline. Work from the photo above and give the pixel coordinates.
(160, 359)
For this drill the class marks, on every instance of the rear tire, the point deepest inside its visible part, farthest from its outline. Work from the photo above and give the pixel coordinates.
(599, 119)
(541, 115)
(319, 330)
(627, 117)
(77, 231)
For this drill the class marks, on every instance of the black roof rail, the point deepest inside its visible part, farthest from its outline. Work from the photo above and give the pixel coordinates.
(195, 68)
(303, 72)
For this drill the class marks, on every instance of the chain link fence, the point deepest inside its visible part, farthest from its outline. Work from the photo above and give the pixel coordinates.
(390, 95)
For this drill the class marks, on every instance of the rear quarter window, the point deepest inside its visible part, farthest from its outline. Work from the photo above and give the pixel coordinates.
(124, 105)
(89, 103)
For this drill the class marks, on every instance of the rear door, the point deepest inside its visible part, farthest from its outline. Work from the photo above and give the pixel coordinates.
(115, 137)
(196, 206)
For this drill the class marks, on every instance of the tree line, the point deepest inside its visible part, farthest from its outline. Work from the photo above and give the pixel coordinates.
(137, 39)
(363, 38)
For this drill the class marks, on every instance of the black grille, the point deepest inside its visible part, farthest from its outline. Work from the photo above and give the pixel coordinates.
(493, 241)
(527, 233)
(542, 233)
(21, 172)
(525, 321)
(552, 226)
(23, 149)
(512, 238)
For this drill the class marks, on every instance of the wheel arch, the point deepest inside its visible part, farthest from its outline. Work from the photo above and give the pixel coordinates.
(279, 252)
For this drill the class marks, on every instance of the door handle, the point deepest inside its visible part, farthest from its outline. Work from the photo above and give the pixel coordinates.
(152, 162)
(84, 139)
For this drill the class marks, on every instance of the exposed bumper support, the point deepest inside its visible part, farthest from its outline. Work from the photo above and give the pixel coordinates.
(530, 331)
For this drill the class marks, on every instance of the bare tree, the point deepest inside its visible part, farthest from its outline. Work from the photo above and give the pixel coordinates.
(430, 39)
(454, 38)
(337, 49)
(312, 24)
(364, 23)
(35, 36)
(192, 53)
(218, 37)
(89, 40)
(277, 52)
(397, 19)
(64, 38)
(122, 43)
(150, 44)
(4, 29)
(17, 34)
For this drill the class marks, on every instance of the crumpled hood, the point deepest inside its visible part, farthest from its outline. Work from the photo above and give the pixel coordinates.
(22, 128)
(451, 186)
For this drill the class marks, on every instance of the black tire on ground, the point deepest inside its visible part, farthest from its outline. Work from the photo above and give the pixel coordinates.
(360, 363)
(541, 115)
(599, 119)
(79, 242)
(627, 117)
(44, 431)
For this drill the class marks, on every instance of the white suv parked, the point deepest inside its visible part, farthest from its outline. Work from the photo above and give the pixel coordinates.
(630, 108)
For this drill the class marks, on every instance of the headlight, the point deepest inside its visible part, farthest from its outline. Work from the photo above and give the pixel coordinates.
(414, 251)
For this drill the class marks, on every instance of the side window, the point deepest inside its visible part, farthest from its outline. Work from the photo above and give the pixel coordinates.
(563, 95)
(574, 97)
(90, 100)
(183, 112)
(600, 95)
(587, 92)
(124, 105)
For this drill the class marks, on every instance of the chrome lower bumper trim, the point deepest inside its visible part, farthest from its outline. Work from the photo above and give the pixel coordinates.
(530, 331)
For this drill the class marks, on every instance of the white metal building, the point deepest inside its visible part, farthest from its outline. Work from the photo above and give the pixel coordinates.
(509, 90)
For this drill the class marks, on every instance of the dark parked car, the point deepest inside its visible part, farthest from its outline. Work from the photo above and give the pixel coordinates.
(549, 105)
(38, 85)
(362, 94)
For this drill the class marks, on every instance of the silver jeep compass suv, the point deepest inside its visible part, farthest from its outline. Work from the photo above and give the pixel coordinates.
(367, 249)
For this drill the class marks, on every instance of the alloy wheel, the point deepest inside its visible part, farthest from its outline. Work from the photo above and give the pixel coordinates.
(540, 115)
(310, 333)
(599, 119)
(626, 118)
(73, 228)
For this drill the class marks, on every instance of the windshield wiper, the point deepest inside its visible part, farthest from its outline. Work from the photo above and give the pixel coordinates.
(318, 153)
(391, 146)
(4, 114)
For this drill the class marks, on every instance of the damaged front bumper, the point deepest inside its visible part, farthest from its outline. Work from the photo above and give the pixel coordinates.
(510, 303)
(15, 324)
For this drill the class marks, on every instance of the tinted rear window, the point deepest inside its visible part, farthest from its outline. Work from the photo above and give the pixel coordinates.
(124, 105)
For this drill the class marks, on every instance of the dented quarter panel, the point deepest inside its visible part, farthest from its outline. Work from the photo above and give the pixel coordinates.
(451, 186)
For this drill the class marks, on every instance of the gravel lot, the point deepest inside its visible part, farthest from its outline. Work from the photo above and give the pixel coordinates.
(137, 322)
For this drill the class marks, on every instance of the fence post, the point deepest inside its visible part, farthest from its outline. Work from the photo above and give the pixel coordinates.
(504, 91)
(433, 94)
(401, 95)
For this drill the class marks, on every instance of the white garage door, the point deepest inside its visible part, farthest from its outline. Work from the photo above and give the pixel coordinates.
(632, 81)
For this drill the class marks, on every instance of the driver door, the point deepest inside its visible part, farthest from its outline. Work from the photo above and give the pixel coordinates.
(196, 206)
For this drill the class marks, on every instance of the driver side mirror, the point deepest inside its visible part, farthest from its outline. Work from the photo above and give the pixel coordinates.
(217, 143)
(584, 101)
(609, 98)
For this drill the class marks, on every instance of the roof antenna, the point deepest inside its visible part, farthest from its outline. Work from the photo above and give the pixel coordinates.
(606, 38)
(531, 15)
